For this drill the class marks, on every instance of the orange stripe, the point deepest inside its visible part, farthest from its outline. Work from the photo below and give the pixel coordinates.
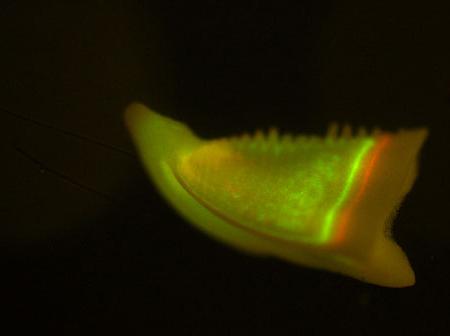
(345, 217)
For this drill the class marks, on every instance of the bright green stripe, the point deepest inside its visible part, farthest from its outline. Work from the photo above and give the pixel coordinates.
(330, 217)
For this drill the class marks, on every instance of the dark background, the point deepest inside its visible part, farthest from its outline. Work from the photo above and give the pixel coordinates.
(87, 244)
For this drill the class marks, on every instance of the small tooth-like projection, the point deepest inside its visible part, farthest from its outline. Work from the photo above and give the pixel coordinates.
(376, 131)
(246, 137)
(259, 135)
(286, 138)
(324, 202)
(286, 143)
(361, 132)
(273, 134)
(333, 129)
(346, 131)
(257, 142)
(241, 141)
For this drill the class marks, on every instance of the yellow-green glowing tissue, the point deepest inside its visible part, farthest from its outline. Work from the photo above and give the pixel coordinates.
(323, 202)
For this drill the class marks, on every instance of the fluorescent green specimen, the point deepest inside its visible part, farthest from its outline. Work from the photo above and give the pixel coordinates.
(320, 202)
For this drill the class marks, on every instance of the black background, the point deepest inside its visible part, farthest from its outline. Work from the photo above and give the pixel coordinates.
(87, 244)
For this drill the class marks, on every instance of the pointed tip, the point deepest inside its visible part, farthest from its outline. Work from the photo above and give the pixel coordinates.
(157, 135)
(135, 113)
(392, 266)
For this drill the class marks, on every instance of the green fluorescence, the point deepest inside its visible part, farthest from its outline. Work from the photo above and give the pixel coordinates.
(330, 217)
(323, 202)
